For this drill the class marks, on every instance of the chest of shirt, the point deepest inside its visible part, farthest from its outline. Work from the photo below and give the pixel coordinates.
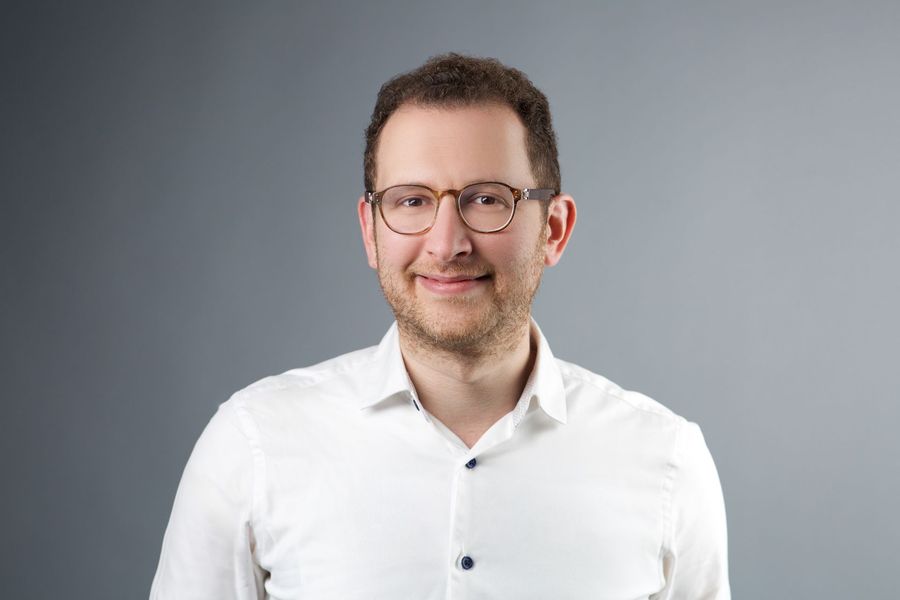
(393, 510)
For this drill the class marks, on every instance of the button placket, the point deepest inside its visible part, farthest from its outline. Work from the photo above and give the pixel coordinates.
(462, 555)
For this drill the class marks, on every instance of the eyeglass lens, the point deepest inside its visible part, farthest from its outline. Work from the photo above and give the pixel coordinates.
(412, 208)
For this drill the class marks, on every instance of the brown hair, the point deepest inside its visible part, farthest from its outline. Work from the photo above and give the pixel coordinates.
(456, 80)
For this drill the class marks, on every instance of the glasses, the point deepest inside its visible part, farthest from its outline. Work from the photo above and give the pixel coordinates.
(485, 207)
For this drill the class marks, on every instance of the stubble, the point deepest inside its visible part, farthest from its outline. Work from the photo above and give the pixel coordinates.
(483, 329)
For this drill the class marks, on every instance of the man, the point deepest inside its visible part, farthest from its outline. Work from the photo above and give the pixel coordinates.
(458, 458)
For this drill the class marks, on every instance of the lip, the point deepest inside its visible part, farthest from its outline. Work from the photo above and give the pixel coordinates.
(444, 285)
(445, 279)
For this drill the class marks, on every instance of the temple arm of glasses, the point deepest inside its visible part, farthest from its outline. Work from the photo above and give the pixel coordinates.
(538, 194)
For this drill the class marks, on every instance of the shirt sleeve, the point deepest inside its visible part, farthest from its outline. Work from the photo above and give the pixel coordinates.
(209, 547)
(695, 560)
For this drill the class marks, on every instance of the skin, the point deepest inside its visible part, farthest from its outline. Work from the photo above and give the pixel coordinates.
(462, 299)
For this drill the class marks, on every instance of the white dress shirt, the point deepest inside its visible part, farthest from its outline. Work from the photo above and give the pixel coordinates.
(332, 483)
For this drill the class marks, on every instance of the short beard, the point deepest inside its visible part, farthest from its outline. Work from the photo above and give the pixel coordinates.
(496, 333)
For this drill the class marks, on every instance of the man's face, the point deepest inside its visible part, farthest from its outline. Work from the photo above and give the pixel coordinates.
(451, 287)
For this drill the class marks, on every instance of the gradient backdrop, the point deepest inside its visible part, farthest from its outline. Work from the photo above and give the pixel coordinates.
(178, 220)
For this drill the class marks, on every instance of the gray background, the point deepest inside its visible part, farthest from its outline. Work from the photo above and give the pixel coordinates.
(178, 220)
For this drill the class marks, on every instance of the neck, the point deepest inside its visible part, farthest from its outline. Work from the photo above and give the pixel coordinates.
(470, 391)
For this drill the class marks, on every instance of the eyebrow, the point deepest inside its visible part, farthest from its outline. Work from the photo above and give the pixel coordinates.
(465, 185)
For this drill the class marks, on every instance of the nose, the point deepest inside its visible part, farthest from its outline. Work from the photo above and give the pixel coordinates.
(449, 238)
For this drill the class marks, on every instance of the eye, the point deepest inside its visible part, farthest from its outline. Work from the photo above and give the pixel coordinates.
(412, 202)
(486, 200)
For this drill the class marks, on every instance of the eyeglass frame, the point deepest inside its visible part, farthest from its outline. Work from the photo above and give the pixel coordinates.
(372, 198)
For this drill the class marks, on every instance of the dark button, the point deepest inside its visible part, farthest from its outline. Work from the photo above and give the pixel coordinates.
(471, 464)
(467, 562)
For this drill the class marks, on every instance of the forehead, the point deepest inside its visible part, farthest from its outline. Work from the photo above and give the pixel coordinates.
(447, 147)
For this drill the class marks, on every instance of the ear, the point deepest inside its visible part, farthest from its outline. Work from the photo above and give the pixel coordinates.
(367, 228)
(560, 223)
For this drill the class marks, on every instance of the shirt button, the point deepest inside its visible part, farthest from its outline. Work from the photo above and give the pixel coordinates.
(467, 562)
(471, 464)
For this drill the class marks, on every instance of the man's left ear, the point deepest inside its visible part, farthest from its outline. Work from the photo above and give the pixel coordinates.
(560, 223)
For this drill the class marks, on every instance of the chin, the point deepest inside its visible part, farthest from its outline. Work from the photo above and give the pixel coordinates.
(449, 329)
(461, 324)
(457, 331)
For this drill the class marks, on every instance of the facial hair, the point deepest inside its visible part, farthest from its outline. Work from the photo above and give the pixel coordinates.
(491, 325)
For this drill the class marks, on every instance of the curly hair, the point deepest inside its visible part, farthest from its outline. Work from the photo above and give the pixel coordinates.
(456, 80)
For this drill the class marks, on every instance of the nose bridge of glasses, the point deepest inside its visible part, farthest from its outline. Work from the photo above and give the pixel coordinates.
(455, 217)
(439, 196)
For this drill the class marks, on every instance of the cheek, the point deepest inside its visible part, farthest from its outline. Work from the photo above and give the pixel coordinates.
(515, 248)
(394, 254)
(518, 264)
(506, 259)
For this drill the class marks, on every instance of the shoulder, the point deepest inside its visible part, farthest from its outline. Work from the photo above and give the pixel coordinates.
(309, 377)
(630, 419)
(591, 394)
(335, 382)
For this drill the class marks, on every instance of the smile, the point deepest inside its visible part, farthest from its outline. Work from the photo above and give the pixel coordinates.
(444, 285)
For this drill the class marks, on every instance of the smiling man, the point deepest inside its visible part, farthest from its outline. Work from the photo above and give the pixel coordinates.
(460, 266)
(458, 458)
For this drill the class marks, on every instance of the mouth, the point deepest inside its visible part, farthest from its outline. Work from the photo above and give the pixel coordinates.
(452, 278)
(451, 284)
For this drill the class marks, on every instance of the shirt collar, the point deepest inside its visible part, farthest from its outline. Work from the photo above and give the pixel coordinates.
(545, 384)
(389, 379)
